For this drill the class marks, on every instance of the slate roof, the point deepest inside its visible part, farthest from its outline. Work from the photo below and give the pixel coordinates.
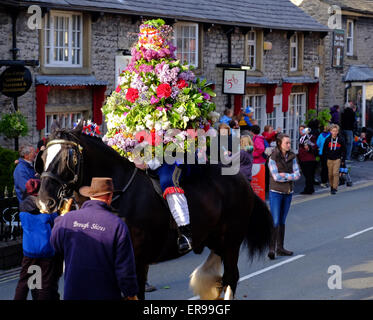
(358, 73)
(364, 6)
(275, 14)
(69, 81)
(260, 80)
(300, 79)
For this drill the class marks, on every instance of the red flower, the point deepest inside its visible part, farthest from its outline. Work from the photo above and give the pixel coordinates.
(181, 84)
(132, 95)
(118, 88)
(164, 90)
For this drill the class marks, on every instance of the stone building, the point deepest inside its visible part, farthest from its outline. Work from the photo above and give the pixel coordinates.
(81, 49)
(348, 51)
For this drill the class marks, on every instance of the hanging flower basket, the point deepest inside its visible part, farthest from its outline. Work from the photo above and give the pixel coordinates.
(13, 125)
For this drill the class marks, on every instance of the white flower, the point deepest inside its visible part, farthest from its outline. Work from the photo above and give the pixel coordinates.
(158, 126)
(148, 117)
(180, 110)
(166, 125)
(140, 128)
(149, 124)
(185, 119)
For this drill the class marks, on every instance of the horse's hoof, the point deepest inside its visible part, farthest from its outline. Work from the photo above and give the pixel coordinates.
(271, 255)
(149, 287)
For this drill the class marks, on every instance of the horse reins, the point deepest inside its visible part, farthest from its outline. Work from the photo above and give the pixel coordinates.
(62, 192)
(126, 186)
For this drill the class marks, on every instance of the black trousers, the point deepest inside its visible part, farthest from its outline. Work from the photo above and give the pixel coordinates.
(324, 169)
(51, 271)
(308, 169)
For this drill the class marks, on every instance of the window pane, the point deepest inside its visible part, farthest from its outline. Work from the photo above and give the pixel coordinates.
(185, 32)
(47, 38)
(47, 53)
(78, 56)
(78, 23)
(78, 39)
(55, 38)
(60, 38)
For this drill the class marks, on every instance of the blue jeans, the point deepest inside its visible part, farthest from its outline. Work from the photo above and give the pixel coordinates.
(349, 143)
(280, 205)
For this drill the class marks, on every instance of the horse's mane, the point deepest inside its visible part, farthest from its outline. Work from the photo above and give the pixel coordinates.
(78, 137)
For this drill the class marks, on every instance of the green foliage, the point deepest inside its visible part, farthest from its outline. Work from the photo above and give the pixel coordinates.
(13, 125)
(324, 117)
(155, 22)
(7, 165)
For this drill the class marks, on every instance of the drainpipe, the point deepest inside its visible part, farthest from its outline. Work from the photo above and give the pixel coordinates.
(14, 50)
(229, 36)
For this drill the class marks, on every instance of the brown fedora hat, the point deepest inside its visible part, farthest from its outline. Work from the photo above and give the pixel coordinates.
(99, 187)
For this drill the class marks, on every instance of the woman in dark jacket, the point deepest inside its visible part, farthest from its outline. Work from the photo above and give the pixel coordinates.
(284, 170)
(246, 157)
(307, 159)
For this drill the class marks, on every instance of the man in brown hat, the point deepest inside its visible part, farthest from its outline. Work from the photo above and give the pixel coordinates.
(97, 248)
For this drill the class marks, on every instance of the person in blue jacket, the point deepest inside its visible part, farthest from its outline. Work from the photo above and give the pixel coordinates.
(37, 251)
(227, 116)
(323, 160)
(24, 170)
(97, 248)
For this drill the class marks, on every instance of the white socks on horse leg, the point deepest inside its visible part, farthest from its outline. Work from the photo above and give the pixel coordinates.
(179, 208)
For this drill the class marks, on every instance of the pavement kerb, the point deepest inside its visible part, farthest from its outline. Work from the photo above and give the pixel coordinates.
(298, 199)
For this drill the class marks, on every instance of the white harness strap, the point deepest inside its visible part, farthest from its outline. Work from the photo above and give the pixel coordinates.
(52, 152)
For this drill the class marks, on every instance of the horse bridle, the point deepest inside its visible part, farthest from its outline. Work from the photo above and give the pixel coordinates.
(77, 161)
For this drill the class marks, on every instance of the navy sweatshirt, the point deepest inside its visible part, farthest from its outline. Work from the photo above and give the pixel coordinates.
(97, 248)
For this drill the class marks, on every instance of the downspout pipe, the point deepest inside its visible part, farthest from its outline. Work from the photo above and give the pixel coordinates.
(229, 36)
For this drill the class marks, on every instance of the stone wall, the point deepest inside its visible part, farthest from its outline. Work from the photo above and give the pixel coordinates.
(111, 33)
(332, 88)
(28, 43)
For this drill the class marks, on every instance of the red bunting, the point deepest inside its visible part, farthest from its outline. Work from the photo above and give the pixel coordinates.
(98, 100)
(41, 100)
(286, 89)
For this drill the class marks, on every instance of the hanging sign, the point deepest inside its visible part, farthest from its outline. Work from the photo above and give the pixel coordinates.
(234, 81)
(15, 81)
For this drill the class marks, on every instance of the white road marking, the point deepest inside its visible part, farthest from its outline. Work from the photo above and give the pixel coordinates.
(358, 233)
(251, 275)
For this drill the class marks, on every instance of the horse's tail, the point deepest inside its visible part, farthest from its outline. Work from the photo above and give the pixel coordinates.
(260, 228)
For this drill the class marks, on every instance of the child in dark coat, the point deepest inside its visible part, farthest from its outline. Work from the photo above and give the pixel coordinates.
(38, 255)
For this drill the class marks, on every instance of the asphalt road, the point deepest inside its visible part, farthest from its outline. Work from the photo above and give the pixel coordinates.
(316, 231)
(317, 227)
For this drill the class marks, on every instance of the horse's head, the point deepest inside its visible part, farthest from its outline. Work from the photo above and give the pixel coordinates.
(59, 166)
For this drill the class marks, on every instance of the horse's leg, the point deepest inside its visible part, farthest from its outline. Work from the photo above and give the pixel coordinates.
(205, 280)
(231, 274)
(141, 272)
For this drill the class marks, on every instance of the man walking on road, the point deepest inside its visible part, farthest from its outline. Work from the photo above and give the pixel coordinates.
(347, 124)
(97, 248)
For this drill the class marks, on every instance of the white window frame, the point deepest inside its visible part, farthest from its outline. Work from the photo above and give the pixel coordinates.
(68, 119)
(294, 57)
(50, 56)
(187, 24)
(350, 37)
(294, 117)
(258, 104)
(251, 43)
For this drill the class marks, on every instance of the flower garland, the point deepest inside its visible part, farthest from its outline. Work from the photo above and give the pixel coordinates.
(156, 93)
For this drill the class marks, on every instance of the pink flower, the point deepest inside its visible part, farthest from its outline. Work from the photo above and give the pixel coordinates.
(154, 100)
